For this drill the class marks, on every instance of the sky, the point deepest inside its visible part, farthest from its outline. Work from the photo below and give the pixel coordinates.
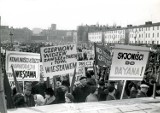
(68, 14)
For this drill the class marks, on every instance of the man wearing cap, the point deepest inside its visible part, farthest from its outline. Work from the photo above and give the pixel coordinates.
(143, 91)
(81, 91)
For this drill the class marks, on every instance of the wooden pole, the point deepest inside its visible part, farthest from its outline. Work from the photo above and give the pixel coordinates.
(124, 85)
(3, 108)
(19, 90)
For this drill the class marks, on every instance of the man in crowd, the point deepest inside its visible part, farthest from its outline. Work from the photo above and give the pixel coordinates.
(28, 97)
(143, 91)
(81, 91)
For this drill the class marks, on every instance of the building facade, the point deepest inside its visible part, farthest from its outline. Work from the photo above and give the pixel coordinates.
(149, 33)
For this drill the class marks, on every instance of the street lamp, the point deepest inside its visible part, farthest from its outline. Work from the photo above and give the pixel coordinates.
(11, 36)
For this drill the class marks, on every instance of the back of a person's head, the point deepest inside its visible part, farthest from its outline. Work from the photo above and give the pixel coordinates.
(19, 100)
(111, 88)
(49, 91)
(93, 89)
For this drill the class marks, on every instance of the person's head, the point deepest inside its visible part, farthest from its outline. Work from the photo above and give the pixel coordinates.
(101, 83)
(144, 88)
(27, 89)
(83, 80)
(19, 100)
(39, 99)
(69, 98)
(94, 90)
(49, 93)
(111, 89)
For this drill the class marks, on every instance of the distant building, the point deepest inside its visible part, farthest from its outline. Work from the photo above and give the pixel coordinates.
(21, 34)
(5, 31)
(82, 31)
(149, 33)
(39, 39)
(145, 34)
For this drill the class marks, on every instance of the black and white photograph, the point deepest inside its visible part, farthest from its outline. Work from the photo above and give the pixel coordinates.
(79, 56)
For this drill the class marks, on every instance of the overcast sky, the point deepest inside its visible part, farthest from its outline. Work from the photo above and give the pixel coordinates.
(68, 14)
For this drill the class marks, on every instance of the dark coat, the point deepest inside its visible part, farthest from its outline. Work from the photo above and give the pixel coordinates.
(141, 94)
(39, 88)
(102, 93)
(80, 93)
(29, 100)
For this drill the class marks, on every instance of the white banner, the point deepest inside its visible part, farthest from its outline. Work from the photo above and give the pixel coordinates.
(59, 59)
(128, 63)
(26, 65)
(86, 63)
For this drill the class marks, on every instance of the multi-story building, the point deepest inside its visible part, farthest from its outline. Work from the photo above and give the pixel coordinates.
(5, 31)
(113, 35)
(149, 33)
(145, 34)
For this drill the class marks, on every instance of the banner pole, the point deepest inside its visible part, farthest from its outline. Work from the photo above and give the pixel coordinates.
(124, 84)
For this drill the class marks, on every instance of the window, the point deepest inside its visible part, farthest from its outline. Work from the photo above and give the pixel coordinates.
(148, 35)
(157, 34)
(148, 28)
(139, 35)
(157, 27)
(153, 34)
(153, 27)
(139, 29)
(142, 29)
(142, 35)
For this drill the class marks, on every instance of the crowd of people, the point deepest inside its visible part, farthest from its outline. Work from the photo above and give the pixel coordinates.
(87, 89)
(93, 87)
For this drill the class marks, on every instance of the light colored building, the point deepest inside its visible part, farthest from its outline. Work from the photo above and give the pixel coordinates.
(145, 34)
(115, 35)
(95, 36)
(149, 33)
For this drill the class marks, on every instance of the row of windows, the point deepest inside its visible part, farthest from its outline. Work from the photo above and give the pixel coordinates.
(145, 29)
(116, 31)
(145, 42)
(146, 35)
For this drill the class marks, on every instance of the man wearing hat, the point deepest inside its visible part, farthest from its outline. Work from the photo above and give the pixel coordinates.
(143, 91)
(81, 91)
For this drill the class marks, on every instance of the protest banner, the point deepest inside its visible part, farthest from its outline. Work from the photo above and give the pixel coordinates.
(26, 65)
(102, 56)
(128, 62)
(87, 63)
(58, 60)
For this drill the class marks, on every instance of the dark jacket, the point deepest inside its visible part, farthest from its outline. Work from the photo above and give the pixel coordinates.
(141, 94)
(29, 100)
(102, 93)
(39, 88)
(80, 93)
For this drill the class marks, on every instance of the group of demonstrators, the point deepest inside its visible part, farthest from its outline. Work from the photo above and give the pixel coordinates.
(93, 87)
(87, 89)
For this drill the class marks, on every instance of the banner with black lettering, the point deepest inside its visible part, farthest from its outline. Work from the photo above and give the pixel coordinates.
(59, 59)
(26, 65)
(128, 62)
(102, 55)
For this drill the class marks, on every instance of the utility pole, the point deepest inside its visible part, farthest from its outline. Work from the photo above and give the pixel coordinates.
(3, 108)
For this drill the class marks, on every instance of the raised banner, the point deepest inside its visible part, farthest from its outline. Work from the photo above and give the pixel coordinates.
(128, 62)
(26, 65)
(58, 60)
(102, 55)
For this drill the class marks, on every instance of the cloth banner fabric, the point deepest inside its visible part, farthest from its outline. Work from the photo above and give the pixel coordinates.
(102, 56)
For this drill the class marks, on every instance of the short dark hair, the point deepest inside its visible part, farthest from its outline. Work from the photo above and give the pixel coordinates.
(49, 91)
(82, 78)
(111, 89)
(93, 89)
